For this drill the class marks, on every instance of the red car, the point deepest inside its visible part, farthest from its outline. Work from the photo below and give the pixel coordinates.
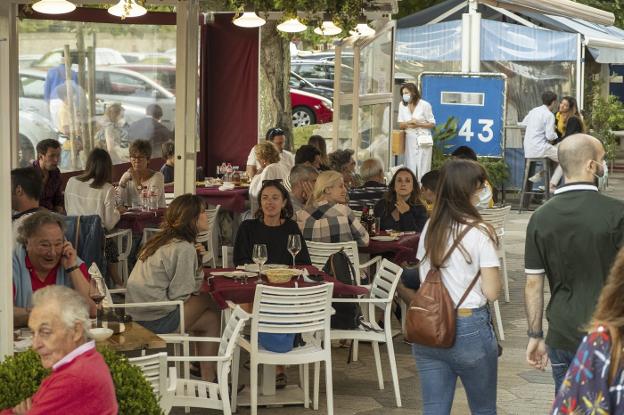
(310, 108)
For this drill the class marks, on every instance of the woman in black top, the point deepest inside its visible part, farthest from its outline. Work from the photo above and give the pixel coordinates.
(401, 208)
(569, 118)
(271, 227)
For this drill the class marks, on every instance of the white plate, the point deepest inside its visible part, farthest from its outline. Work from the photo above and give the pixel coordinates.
(384, 238)
(234, 274)
(254, 267)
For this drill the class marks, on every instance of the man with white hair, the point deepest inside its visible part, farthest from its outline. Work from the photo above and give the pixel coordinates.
(302, 179)
(80, 382)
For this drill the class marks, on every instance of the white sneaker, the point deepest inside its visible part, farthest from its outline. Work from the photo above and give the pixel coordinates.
(536, 177)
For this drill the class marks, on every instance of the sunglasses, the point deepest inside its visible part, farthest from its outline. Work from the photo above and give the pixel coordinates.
(274, 132)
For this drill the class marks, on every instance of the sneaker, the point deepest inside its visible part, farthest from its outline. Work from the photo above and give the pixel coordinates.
(536, 177)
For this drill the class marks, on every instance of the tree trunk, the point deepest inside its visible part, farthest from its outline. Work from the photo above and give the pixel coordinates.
(275, 107)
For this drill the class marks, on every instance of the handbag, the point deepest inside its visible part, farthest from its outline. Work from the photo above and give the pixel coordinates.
(431, 315)
(424, 140)
(398, 142)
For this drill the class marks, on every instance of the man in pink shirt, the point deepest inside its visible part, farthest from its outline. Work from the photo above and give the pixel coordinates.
(80, 382)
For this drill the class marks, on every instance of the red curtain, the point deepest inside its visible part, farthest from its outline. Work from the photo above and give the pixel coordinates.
(228, 93)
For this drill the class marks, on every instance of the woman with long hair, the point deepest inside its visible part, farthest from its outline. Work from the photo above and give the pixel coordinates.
(568, 118)
(92, 193)
(595, 379)
(401, 208)
(168, 268)
(416, 118)
(319, 142)
(328, 218)
(473, 357)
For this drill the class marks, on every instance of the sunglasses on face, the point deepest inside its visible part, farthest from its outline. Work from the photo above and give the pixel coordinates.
(275, 132)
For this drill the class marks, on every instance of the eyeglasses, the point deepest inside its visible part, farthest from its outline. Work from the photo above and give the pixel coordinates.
(138, 158)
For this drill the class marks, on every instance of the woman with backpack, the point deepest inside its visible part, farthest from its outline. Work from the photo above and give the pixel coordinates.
(462, 247)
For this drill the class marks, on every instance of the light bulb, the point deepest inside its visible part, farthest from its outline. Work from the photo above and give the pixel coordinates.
(119, 9)
(291, 26)
(53, 6)
(249, 19)
(328, 28)
(362, 29)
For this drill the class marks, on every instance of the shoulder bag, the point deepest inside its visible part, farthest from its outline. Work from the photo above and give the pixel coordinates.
(431, 315)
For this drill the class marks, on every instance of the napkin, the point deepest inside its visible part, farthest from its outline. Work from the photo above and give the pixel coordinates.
(227, 186)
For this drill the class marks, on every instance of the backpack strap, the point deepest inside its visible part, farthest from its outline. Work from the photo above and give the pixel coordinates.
(456, 243)
(470, 287)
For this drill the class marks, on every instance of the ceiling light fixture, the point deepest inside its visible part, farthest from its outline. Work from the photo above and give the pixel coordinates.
(249, 19)
(127, 8)
(327, 28)
(53, 6)
(291, 26)
(362, 29)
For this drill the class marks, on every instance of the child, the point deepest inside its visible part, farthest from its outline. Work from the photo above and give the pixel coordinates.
(168, 153)
(428, 184)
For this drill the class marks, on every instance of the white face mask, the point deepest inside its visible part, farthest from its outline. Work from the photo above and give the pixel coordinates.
(484, 198)
(407, 98)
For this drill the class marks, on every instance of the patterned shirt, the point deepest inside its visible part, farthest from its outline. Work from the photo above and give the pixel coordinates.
(52, 192)
(331, 222)
(586, 388)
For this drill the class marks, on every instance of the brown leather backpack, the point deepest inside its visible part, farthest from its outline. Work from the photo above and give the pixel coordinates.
(431, 315)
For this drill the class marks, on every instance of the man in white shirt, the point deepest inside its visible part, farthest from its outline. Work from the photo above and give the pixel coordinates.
(278, 138)
(540, 131)
(26, 184)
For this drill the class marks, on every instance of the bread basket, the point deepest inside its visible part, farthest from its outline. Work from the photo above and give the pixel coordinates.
(280, 275)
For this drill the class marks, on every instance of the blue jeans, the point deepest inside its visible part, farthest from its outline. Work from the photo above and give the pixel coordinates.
(167, 324)
(473, 358)
(560, 361)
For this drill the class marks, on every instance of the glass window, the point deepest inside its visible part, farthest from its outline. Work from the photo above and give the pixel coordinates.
(374, 126)
(31, 86)
(375, 65)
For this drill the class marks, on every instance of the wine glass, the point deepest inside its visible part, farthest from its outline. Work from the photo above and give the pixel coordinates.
(97, 295)
(259, 256)
(294, 246)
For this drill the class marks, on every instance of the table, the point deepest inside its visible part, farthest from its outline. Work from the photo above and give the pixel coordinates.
(225, 289)
(135, 337)
(402, 250)
(137, 220)
(231, 200)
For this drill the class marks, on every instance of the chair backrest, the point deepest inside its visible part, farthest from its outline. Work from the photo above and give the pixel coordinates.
(229, 337)
(320, 251)
(169, 198)
(154, 368)
(496, 217)
(385, 282)
(291, 310)
(86, 234)
(148, 233)
(208, 237)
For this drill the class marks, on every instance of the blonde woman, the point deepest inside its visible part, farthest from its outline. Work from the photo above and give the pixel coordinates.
(268, 157)
(328, 218)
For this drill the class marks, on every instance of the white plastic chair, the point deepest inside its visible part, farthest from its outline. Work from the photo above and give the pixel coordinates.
(148, 233)
(320, 251)
(154, 368)
(169, 198)
(123, 239)
(381, 295)
(210, 237)
(203, 394)
(496, 217)
(290, 310)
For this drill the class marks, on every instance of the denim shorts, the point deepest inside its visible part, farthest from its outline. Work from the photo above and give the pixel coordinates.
(167, 324)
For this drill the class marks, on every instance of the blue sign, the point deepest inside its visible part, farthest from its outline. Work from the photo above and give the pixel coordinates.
(478, 104)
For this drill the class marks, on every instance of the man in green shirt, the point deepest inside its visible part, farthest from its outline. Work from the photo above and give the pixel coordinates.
(572, 240)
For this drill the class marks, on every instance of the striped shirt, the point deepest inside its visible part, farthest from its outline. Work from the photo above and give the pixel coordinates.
(331, 222)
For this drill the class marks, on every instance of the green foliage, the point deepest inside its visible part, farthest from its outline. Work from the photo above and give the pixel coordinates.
(21, 375)
(302, 134)
(605, 116)
(497, 170)
(441, 134)
(407, 7)
(614, 6)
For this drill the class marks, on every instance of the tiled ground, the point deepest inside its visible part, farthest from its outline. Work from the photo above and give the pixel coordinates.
(521, 390)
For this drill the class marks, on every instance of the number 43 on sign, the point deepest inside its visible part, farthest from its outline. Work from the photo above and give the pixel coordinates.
(485, 125)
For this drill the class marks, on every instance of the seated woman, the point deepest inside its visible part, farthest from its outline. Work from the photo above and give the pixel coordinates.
(43, 257)
(342, 161)
(401, 208)
(272, 226)
(168, 269)
(328, 218)
(270, 169)
(92, 193)
(139, 176)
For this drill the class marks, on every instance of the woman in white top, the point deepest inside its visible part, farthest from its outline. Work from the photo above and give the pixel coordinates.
(139, 176)
(93, 194)
(270, 169)
(416, 118)
(473, 357)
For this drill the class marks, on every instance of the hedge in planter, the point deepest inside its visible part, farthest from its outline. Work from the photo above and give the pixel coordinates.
(21, 375)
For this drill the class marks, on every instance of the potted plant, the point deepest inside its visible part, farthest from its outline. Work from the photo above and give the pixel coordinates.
(21, 375)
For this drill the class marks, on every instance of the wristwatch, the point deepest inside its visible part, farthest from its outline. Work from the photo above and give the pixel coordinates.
(535, 334)
(71, 269)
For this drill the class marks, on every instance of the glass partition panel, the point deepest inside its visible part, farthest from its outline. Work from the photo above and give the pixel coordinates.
(345, 127)
(374, 126)
(376, 65)
(346, 73)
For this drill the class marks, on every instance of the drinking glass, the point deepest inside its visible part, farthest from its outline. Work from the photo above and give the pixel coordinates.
(294, 246)
(153, 197)
(145, 195)
(259, 256)
(96, 293)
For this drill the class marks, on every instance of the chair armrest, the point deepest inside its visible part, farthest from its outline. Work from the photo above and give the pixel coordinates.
(178, 338)
(148, 305)
(198, 358)
(118, 290)
(173, 380)
(362, 300)
(119, 232)
(371, 262)
(230, 304)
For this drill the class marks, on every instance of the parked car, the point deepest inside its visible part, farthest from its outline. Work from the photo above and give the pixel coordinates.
(103, 56)
(33, 128)
(328, 56)
(298, 82)
(310, 108)
(320, 72)
(165, 75)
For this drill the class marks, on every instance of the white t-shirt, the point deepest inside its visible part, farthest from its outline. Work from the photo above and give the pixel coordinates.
(130, 194)
(457, 273)
(82, 199)
(540, 130)
(286, 158)
(422, 113)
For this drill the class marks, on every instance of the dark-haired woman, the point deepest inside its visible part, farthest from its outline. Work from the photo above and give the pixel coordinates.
(568, 121)
(168, 269)
(473, 357)
(271, 226)
(401, 208)
(595, 379)
(92, 193)
(319, 142)
(140, 176)
(416, 118)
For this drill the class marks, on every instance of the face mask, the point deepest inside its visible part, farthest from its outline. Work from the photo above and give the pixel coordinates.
(600, 172)
(407, 98)
(484, 198)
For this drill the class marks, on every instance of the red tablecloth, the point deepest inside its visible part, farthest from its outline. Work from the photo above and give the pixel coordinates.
(227, 289)
(138, 220)
(399, 251)
(232, 200)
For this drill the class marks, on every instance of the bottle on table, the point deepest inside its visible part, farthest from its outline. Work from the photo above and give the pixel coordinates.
(236, 177)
